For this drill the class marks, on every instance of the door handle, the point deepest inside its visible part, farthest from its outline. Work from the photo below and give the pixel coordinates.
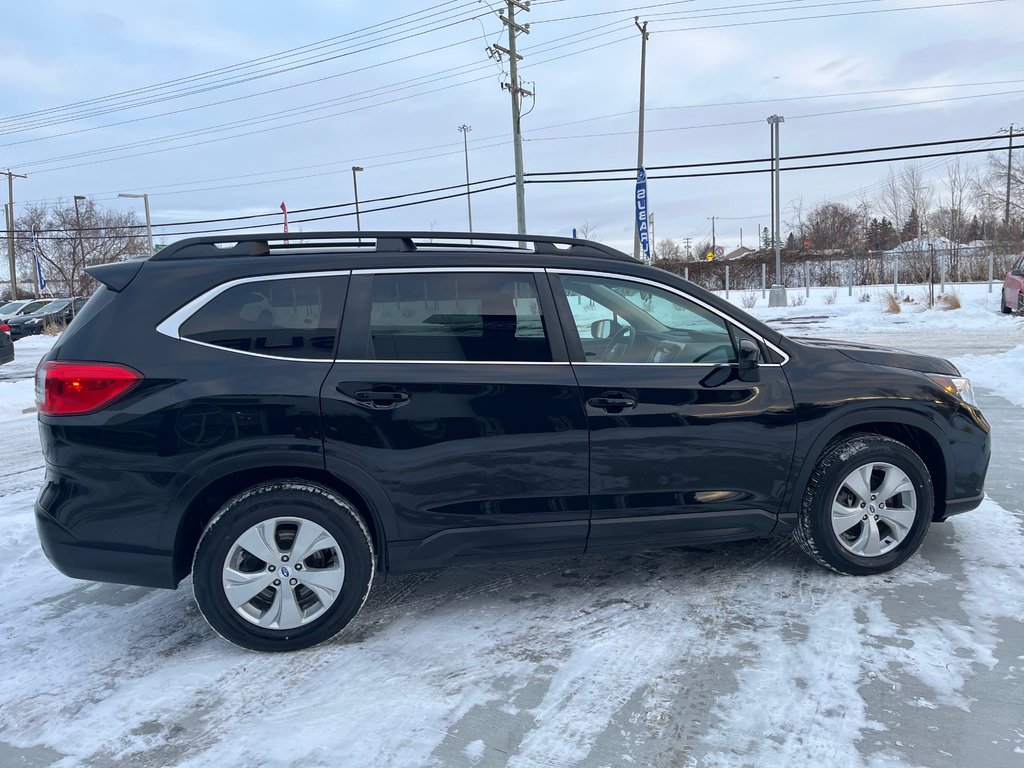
(612, 402)
(377, 398)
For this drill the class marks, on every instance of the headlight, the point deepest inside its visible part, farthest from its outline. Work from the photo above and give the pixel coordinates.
(35, 321)
(956, 385)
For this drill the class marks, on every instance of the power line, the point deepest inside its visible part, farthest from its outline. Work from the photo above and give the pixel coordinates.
(535, 177)
(286, 125)
(206, 75)
(826, 16)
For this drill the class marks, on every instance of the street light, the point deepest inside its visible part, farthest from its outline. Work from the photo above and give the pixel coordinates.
(149, 224)
(777, 297)
(465, 129)
(355, 191)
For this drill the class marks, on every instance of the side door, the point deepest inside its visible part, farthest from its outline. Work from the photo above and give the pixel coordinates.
(454, 399)
(681, 448)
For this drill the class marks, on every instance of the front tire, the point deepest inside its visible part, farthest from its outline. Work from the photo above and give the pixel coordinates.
(283, 565)
(867, 505)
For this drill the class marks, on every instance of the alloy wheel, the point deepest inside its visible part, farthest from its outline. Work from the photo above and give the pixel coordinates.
(874, 509)
(283, 573)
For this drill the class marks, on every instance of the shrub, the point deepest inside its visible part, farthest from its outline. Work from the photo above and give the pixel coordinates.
(749, 299)
(53, 327)
(864, 298)
(891, 303)
(798, 301)
(947, 301)
(830, 298)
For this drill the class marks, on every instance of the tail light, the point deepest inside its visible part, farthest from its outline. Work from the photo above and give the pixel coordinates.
(5, 328)
(67, 388)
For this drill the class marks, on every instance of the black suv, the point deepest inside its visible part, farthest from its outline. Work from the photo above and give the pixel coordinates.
(283, 418)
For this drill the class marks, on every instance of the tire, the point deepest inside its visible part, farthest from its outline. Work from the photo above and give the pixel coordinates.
(1002, 303)
(1020, 302)
(845, 525)
(250, 587)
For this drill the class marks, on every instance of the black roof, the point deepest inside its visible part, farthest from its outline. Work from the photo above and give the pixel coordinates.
(262, 244)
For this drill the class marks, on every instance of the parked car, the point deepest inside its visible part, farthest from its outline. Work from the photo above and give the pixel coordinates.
(58, 312)
(22, 307)
(412, 400)
(1013, 288)
(6, 345)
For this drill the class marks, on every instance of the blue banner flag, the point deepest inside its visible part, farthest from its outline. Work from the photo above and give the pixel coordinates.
(641, 213)
(39, 267)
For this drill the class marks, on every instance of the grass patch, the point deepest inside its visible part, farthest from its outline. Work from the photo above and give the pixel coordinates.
(891, 304)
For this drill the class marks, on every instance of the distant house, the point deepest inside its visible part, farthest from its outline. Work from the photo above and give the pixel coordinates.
(738, 253)
(924, 245)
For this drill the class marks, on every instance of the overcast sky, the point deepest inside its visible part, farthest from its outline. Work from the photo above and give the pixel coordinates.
(386, 85)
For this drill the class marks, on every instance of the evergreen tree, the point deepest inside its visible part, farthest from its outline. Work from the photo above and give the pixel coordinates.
(912, 227)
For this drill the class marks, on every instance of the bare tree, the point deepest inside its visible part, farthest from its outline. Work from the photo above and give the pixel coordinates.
(67, 241)
(951, 220)
(668, 249)
(890, 201)
(917, 192)
(588, 231)
(832, 226)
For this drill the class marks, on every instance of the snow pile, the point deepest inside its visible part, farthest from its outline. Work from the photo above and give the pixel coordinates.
(1001, 373)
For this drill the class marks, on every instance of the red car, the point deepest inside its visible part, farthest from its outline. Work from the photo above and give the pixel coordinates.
(1013, 288)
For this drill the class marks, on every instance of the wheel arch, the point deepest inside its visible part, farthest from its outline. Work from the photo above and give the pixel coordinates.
(201, 499)
(914, 430)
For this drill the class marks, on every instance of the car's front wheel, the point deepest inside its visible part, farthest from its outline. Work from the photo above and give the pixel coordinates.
(867, 505)
(283, 565)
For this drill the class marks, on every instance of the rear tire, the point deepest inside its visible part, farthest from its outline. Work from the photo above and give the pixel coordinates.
(867, 505)
(1002, 304)
(257, 591)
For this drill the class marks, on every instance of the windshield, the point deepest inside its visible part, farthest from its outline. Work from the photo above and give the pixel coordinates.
(12, 306)
(32, 306)
(53, 306)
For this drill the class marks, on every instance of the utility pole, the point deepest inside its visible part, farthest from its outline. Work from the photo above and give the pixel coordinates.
(517, 92)
(714, 241)
(1009, 170)
(11, 176)
(777, 298)
(465, 129)
(640, 132)
(686, 242)
(81, 245)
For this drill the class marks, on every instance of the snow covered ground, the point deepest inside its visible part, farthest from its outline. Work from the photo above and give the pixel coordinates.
(735, 655)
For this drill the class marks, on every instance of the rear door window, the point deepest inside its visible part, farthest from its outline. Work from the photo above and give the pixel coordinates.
(289, 318)
(458, 317)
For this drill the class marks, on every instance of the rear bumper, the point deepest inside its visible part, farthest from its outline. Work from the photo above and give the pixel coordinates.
(94, 562)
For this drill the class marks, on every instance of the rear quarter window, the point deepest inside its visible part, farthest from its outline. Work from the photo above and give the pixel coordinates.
(289, 318)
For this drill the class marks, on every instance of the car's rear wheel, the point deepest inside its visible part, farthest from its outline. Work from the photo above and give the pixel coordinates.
(1002, 303)
(1020, 302)
(283, 565)
(867, 505)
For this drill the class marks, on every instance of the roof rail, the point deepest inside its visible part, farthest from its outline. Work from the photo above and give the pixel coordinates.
(261, 244)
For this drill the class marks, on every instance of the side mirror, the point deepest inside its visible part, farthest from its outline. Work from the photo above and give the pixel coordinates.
(601, 329)
(1016, 272)
(750, 356)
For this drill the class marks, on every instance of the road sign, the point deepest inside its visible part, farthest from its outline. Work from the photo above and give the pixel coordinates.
(719, 251)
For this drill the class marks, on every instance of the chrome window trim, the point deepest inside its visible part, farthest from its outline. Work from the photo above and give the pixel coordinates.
(171, 325)
(451, 362)
(681, 294)
(434, 270)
